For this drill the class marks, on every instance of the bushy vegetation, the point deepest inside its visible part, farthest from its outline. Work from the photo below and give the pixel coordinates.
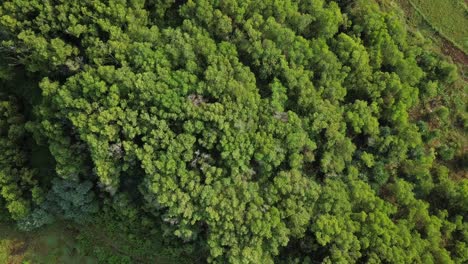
(295, 131)
(448, 18)
(107, 239)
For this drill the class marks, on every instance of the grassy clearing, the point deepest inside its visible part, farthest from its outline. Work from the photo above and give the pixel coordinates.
(54, 244)
(114, 241)
(418, 25)
(101, 242)
(448, 17)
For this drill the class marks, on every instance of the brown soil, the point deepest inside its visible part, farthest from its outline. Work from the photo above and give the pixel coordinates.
(18, 247)
(456, 54)
(16, 251)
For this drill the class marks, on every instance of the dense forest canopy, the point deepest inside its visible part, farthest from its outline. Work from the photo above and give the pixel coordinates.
(296, 131)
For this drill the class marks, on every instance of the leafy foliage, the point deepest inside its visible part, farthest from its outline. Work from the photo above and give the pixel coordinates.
(261, 130)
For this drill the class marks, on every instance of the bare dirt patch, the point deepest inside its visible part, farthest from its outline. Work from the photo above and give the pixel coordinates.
(18, 247)
(456, 54)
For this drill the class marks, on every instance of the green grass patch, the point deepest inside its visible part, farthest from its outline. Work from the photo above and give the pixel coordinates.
(448, 17)
(53, 244)
(112, 240)
(104, 241)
